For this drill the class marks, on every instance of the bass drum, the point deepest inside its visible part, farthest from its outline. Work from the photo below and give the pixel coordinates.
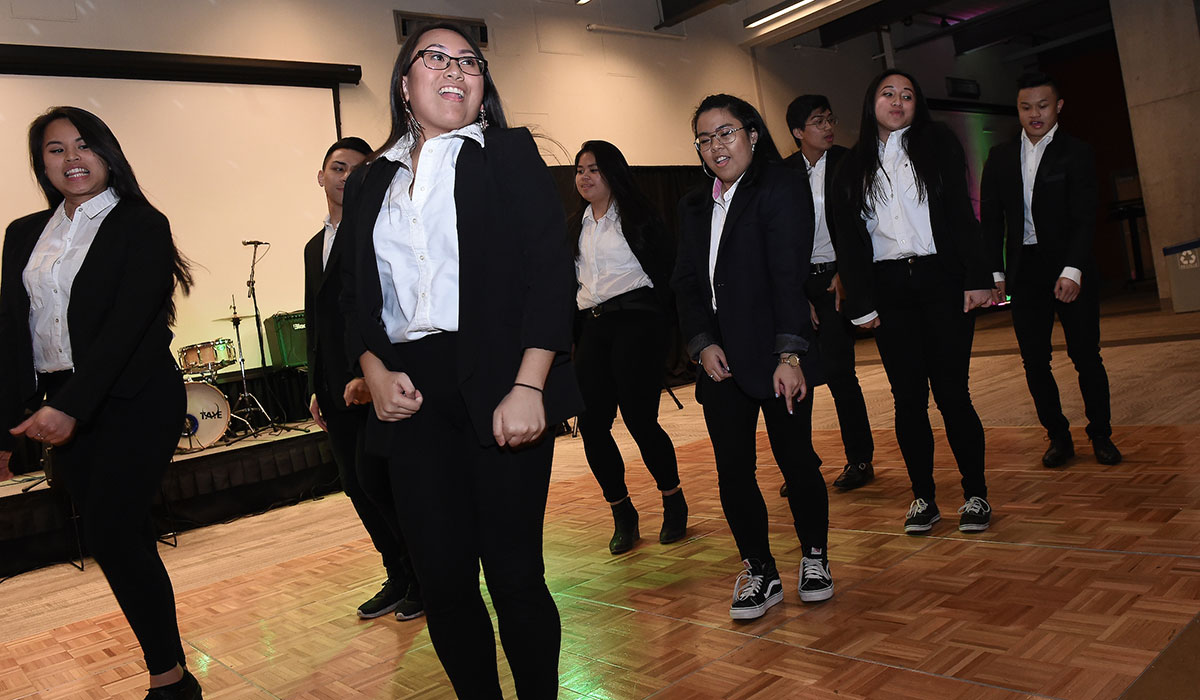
(207, 416)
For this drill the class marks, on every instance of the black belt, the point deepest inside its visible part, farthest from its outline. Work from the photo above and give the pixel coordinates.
(821, 268)
(910, 260)
(640, 299)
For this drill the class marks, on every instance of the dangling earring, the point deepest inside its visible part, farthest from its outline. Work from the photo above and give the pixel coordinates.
(482, 120)
(412, 117)
(752, 147)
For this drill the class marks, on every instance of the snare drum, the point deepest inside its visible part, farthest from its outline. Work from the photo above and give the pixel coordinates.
(207, 416)
(206, 358)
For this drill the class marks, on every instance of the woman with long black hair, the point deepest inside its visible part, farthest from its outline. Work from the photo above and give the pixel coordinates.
(623, 261)
(744, 246)
(459, 299)
(86, 305)
(913, 265)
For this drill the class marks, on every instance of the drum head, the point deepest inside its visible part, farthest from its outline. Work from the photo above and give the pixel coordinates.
(207, 416)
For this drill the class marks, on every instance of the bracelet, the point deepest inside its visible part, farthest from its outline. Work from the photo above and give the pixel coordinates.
(528, 386)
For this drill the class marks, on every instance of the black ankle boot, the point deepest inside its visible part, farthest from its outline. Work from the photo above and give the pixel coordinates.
(186, 688)
(625, 519)
(675, 513)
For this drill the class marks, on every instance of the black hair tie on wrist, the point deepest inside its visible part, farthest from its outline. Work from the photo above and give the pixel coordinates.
(528, 386)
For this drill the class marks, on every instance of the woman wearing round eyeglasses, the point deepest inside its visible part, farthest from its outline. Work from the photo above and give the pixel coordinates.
(623, 260)
(744, 245)
(459, 298)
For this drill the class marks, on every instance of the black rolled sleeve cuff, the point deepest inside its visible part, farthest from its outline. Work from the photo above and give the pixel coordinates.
(697, 344)
(786, 342)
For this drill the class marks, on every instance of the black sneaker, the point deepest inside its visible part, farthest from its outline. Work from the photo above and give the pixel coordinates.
(921, 516)
(975, 515)
(855, 475)
(755, 590)
(816, 583)
(1059, 451)
(382, 603)
(411, 606)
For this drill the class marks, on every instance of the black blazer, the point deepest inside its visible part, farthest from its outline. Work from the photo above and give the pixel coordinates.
(517, 280)
(833, 158)
(1064, 205)
(118, 315)
(956, 232)
(324, 325)
(762, 264)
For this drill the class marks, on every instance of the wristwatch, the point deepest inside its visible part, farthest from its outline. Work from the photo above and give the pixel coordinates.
(790, 359)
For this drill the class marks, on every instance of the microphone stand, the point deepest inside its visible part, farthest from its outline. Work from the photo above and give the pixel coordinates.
(252, 292)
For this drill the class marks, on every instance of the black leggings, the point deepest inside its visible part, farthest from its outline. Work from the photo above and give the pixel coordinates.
(113, 469)
(462, 504)
(732, 419)
(619, 364)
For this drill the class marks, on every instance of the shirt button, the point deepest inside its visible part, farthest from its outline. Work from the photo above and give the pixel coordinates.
(422, 295)
(414, 221)
(421, 257)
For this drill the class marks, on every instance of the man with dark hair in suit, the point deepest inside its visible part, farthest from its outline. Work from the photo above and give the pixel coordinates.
(338, 398)
(1038, 205)
(811, 121)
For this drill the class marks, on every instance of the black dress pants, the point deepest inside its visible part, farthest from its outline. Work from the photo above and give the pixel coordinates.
(731, 416)
(619, 361)
(835, 337)
(461, 504)
(367, 482)
(1033, 310)
(113, 469)
(924, 340)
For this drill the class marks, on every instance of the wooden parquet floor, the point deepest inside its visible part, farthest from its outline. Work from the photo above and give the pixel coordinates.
(1086, 577)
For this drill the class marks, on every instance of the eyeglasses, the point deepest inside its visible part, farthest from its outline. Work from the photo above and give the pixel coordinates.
(820, 122)
(436, 60)
(726, 136)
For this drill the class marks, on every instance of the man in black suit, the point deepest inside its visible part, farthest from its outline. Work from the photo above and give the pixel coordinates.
(338, 398)
(1038, 205)
(811, 121)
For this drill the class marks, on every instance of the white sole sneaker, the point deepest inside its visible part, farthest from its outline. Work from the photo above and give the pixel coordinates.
(759, 610)
(909, 529)
(817, 596)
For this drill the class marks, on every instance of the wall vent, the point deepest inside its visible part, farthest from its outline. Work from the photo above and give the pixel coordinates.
(409, 22)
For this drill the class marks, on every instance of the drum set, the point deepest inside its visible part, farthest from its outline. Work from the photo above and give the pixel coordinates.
(208, 415)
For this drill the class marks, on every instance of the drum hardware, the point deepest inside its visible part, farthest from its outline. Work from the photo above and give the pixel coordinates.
(252, 294)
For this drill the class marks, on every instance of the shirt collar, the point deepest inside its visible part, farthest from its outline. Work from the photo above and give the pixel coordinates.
(98, 204)
(611, 214)
(329, 225)
(723, 197)
(400, 152)
(1043, 142)
(895, 141)
(812, 166)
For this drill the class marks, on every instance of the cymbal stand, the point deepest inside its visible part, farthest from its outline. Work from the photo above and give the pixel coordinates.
(252, 292)
(247, 404)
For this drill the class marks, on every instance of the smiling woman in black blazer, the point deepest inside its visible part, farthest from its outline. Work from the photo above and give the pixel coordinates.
(85, 313)
(911, 258)
(459, 296)
(744, 245)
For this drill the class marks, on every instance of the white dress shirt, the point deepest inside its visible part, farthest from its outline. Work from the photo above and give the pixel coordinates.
(721, 202)
(898, 222)
(1031, 160)
(606, 266)
(416, 238)
(50, 274)
(327, 241)
(822, 251)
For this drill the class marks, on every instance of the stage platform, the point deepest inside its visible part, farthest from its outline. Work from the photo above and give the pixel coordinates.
(214, 485)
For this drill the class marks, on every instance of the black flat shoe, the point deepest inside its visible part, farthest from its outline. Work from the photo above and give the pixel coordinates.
(783, 491)
(1106, 451)
(1057, 454)
(186, 688)
(855, 475)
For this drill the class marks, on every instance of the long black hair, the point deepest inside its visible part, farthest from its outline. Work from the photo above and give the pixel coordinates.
(765, 151)
(919, 142)
(402, 122)
(633, 207)
(101, 141)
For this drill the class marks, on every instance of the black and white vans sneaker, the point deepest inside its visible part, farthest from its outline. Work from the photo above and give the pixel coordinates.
(381, 603)
(816, 583)
(975, 515)
(922, 514)
(756, 589)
